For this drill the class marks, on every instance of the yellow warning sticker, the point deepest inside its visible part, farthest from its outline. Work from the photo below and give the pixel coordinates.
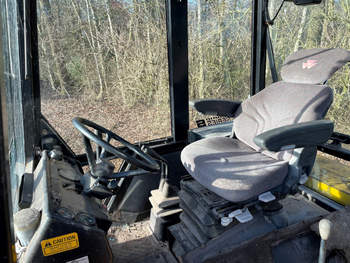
(59, 244)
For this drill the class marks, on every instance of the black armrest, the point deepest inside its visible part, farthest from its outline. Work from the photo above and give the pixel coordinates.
(298, 135)
(225, 108)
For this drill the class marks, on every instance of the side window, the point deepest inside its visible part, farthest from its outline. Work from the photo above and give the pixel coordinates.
(12, 96)
(105, 61)
(313, 26)
(219, 50)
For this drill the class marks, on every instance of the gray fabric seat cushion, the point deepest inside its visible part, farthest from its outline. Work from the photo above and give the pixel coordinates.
(231, 169)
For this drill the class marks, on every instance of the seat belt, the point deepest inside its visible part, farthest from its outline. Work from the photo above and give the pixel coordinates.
(271, 55)
(269, 46)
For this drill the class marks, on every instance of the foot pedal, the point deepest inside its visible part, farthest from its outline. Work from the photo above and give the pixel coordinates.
(242, 215)
(225, 221)
(267, 197)
(165, 211)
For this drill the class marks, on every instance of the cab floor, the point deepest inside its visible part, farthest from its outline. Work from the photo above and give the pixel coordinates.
(135, 243)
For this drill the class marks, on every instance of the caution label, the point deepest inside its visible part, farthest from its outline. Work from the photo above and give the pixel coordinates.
(59, 244)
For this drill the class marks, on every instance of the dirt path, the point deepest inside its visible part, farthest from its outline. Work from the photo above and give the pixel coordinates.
(135, 123)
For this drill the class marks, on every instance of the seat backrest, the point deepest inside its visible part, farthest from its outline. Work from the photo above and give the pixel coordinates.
(301, 96)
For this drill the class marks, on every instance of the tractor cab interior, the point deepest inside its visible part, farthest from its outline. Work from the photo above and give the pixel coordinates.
(237, 191)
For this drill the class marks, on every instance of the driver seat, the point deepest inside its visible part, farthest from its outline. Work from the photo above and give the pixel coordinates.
(275, 132)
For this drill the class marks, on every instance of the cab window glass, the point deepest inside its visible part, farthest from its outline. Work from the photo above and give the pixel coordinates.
(105, 61)
(219, 51)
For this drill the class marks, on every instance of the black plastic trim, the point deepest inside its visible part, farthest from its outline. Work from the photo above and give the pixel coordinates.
(305, 134)
(216, 107)
(176, 13)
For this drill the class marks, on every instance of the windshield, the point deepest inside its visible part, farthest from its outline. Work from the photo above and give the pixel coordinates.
(105, 61)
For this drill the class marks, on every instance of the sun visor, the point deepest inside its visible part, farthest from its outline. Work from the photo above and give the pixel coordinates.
(314, 66)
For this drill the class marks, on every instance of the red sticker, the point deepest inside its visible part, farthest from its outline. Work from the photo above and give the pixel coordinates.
(309, 64)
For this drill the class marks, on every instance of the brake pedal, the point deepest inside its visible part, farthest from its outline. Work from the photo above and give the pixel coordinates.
(242, 215)
(267, 197)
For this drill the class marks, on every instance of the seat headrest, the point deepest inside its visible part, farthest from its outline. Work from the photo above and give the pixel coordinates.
(313, 66)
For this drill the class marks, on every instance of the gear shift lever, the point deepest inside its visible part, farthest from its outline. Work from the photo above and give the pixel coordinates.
(324, 227)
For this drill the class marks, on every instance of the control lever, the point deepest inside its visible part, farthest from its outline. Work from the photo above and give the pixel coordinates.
(324, 227)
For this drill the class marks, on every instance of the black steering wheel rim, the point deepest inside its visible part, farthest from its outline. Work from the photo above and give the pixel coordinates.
(146, 162)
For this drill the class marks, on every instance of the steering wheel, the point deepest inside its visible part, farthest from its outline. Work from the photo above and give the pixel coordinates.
(143, 161)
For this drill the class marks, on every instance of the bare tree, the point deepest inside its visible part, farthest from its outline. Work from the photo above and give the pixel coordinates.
(301, 29)
(200, 51)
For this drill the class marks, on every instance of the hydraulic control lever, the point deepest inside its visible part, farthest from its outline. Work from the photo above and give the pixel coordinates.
(325, 227)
